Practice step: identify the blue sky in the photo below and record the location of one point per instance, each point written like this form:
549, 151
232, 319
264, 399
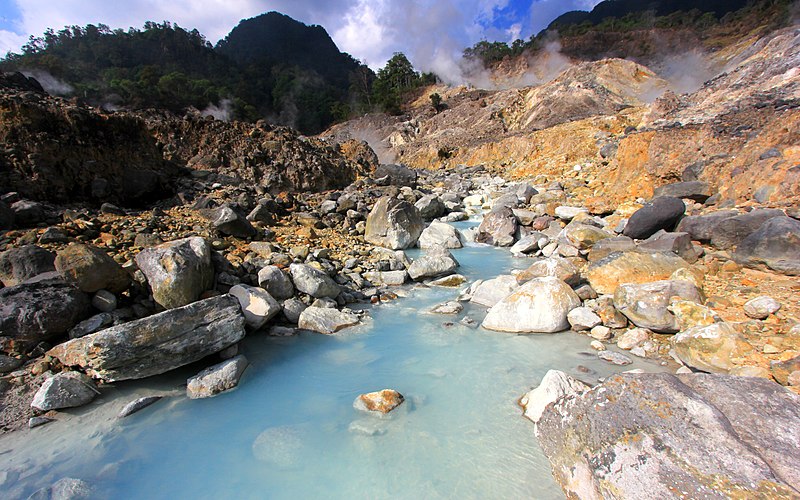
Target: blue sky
428, 31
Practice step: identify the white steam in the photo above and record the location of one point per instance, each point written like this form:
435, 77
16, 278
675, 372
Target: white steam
49, 83
222, 112
688, 71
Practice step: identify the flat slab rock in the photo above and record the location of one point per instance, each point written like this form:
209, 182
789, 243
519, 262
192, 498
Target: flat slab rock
217, 379
326, 320
157, 344
655, 436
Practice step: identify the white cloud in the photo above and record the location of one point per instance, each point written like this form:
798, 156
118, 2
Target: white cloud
11, 42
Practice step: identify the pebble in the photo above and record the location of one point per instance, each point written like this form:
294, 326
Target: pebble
597, 345
614, 358
600, 332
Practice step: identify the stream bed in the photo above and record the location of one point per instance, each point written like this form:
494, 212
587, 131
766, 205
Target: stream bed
289, 430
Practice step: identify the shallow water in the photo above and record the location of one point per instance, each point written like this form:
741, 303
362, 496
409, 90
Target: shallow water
289, 430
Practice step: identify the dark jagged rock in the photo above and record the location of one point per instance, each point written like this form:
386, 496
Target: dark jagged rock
394, 224
228, 221
178, 271
661, 213
395, 175
701, 227
21, 263
733, 230
91, 269
698, 191
498, 228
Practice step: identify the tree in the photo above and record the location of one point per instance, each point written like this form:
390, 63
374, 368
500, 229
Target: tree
393, 80
436, 101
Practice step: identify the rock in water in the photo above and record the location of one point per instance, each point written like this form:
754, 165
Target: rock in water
136, 405
436, 262
178, 271
646, 305
440, 234
554, 386
641, 435
776, 244
325, 320
379, 402
492, 291
555, 267
606, 274
711, 348
661, 213
314, 282
394, 224
91, 269
158, 343
25, 262
33, 312
539, 306
64, 489
257, 304
64, 390
498, 228
216, 379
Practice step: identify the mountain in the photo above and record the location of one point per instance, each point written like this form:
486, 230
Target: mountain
268, 67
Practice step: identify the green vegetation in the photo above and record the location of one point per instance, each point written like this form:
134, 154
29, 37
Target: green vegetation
395, 81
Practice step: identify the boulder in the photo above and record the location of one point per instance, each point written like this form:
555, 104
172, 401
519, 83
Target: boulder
314, 282
776, 245
701, 227
390, 278
689, 313
66, 488
394, 224
698, 191
262, 213
6, 217
395, 175
761, 307
490, 292
64, 390
678, 243
711, 348
569, 213
646, 304
527, 244
606, 247
731, 231
633, 338
498, 228
91, 269
27, 213
436, 262
606, 274
216, 379
178, 271
229, 222
439, 234
539, 306
449, 281
583, 318
649, 436
782, 370
430, 207
22, 263
157, 344
583, 236
381, 402
554, 385
661, 213
325, 320
38, 311
451, 307
275, 281
292, 308
258, 306
553, 266
614, 358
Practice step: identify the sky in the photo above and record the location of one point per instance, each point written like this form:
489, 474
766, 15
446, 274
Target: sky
430, 32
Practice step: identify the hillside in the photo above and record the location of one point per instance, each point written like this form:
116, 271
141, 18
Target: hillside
271, 66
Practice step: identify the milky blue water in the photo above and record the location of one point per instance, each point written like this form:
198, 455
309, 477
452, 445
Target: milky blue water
289, 430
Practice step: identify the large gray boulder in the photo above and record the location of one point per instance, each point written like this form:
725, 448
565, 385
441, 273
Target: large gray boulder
326, 320
157, 344
661, 213
178, 271
731, 231
275, 281
314, 282
216, 379
436, 262
25, 262
388, 174
91, 269
490, 292
555, 267
229, 222
539, 306
645, 304
711, 348
430, 207
606, 274
33, 312
554, 385
701, 227
439, 234
64, 390
648, 436
258, 306
776, 245
394, 224
66, 488
498, 228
